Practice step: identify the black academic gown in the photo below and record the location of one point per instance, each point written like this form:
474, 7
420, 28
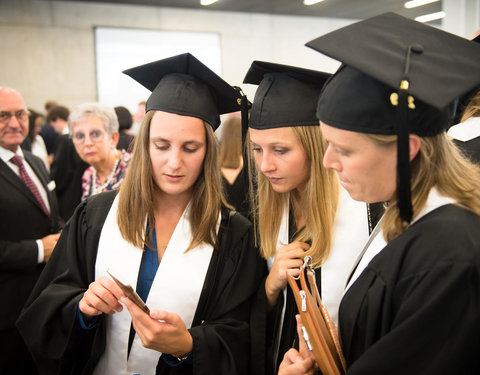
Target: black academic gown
237, 193
415, 309
470, 148
220, 329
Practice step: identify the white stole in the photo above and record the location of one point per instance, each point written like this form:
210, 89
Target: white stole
376, 244
176, 288
350, 232
434, 201
467, 130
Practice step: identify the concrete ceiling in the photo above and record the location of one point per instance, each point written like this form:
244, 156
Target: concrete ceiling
353, 9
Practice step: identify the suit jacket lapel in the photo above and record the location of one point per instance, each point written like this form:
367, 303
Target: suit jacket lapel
17, 182
45, 179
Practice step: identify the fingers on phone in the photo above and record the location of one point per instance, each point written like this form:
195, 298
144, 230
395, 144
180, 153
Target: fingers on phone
103, 298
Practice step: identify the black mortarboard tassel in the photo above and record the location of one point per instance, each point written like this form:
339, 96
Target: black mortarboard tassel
398, 77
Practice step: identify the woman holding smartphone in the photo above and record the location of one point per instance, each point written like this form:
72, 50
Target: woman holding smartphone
169, 235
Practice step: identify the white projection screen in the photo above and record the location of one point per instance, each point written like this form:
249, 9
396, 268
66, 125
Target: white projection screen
118, 49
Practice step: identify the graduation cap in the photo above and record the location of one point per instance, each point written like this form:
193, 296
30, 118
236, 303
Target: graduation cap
185, 86
286, 95
398, 77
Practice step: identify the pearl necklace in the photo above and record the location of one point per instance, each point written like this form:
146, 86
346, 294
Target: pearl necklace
99, 188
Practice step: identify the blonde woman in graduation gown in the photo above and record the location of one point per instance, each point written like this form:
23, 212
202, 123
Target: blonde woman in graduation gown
301, 208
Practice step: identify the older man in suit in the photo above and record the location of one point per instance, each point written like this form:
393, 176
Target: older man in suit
29, 226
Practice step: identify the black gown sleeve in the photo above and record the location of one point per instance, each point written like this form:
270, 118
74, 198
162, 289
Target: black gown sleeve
49, 322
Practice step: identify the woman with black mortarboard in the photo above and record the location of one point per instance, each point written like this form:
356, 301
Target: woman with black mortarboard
412, 306
300, 208
169, 235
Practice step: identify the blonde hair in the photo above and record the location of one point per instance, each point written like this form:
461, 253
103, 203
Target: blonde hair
231, 143
318, 203
137, 193
473, 108
438, 164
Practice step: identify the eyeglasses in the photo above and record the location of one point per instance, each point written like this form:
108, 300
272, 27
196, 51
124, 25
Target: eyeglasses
95, 136
21, 116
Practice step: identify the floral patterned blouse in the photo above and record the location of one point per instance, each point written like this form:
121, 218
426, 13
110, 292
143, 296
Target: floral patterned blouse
91, 185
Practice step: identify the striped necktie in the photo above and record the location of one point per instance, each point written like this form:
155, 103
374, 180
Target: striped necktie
17, 160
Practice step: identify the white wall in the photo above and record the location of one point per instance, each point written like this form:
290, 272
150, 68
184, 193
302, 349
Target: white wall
120, 48
48, 49
462, 17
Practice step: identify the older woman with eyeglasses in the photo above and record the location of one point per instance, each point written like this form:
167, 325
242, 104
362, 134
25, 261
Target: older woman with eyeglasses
94, 130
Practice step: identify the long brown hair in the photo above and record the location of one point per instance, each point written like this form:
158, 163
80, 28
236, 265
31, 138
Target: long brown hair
438, 164
318, 203
137, 193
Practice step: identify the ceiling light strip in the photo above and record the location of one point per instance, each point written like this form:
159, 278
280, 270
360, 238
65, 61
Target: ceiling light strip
207, 2
431, 17
311, 2
418, 3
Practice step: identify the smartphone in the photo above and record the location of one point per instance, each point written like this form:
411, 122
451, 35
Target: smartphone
131, 294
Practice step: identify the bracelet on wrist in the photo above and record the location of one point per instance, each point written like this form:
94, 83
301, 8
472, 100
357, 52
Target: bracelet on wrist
183, 358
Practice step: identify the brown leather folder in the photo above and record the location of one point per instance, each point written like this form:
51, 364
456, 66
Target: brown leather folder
322, 336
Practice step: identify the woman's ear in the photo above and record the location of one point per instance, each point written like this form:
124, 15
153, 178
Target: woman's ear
115, 138
415, 142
